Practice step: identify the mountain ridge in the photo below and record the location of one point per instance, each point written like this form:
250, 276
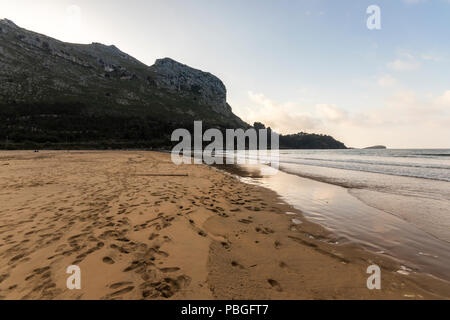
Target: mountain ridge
54, 93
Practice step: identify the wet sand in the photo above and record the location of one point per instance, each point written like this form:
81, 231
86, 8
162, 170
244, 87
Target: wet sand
140, 227
352, 220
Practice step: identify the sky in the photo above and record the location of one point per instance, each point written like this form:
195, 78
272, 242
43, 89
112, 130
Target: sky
295, 65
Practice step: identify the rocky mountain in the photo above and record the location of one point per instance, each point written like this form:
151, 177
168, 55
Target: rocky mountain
56, 92
64, 95
184, 80
54, 70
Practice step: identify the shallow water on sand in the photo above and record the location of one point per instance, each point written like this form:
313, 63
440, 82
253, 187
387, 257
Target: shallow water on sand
340, 210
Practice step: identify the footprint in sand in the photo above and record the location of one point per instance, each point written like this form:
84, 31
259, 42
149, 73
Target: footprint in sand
162, 253
274, 284
108, 260
170, 269
120, 284
165, 288
3, 277
277, 244
202, 233
237, 265
264, 230
226, 245
120, 292
153, 236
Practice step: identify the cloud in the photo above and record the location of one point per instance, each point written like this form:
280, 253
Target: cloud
403, 119
386, 80
404, 98
406, 108
444, 100
331, 113
431, 57
408, 63
283, 117
292, 117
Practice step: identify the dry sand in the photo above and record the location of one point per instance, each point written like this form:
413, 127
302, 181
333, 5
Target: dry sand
140, 227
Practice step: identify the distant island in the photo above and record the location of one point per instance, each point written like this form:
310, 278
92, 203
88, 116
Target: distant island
376, 147
58, 95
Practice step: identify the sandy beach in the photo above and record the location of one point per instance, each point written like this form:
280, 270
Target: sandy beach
140, 227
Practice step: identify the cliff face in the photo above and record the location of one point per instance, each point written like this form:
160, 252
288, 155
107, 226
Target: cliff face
177, 77
35, 68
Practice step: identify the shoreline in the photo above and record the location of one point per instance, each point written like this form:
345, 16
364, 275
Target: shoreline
351, 219
137, 235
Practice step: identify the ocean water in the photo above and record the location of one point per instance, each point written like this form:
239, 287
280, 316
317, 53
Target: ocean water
394, 202
431, 164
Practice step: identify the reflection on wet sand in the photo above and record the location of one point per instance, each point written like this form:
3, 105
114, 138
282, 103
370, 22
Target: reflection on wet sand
352, 220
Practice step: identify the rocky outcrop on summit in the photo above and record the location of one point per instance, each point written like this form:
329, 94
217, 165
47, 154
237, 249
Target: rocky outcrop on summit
7, 23
177, 77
